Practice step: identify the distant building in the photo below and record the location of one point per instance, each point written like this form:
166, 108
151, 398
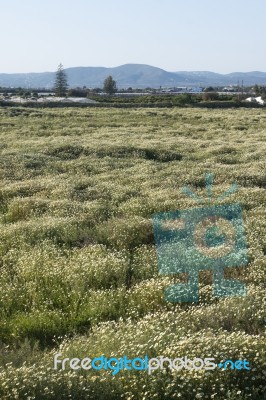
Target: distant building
229, 89
256, 100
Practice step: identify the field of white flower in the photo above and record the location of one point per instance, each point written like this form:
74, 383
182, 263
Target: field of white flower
78, 264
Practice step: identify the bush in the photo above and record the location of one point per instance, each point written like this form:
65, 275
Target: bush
210, 96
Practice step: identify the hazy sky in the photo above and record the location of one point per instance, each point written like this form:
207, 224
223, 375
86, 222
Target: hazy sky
202, 35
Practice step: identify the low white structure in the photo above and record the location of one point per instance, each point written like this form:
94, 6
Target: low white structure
67, 100
49, 99
256, 100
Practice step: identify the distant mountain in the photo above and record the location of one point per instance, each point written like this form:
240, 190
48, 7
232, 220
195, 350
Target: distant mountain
132, 75
207, 78
135, 75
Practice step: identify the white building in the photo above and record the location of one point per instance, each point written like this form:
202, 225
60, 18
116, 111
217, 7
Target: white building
256, 100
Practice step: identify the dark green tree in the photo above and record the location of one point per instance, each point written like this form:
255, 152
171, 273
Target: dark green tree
109, 85
259, 90
209, 89
185, 98
60, 86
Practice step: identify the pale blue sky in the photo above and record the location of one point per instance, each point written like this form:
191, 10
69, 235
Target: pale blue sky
204, 35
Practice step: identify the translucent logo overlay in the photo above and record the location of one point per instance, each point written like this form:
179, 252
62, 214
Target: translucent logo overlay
204, 238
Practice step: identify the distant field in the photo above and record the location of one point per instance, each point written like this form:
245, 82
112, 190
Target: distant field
78, 263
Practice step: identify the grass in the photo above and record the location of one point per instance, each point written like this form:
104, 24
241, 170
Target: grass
78, 263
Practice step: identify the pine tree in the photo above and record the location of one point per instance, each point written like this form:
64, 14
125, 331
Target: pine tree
60, 86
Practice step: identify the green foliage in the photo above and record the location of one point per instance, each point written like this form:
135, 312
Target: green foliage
60, 86
109, 85
78, 92
186, 98
78, 263
260, 90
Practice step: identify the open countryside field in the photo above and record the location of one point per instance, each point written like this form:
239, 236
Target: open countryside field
79, 273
